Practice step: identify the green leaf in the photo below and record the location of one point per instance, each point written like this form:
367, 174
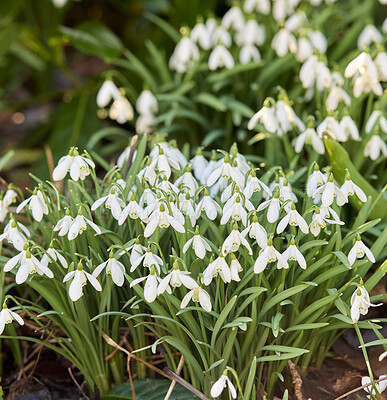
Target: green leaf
210, 100
343, 258
149, 389
302, 327
222, 317
94, 38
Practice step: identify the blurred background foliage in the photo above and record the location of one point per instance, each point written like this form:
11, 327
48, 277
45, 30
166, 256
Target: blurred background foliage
48, 85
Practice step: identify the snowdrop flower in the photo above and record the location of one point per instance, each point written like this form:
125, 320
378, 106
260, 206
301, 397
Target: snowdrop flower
151, 285
368, 36
7, 316
283, 8
251, 33
15, 233
200, 34
249, 53
198, 164
188, 181
333, 127
292, 253
28, 264
114, 268
236, 210
199, 245
315, 73
374, 147
260, 6
209, 206
233, 19
7, 200
220, 57
254, 185
226, 171
329, 191
53, 255
315, 179
79, 225
218, 266
349, 128
106, 93
124, 157
235, 268
327, 213
293, 218
176, 278
142, 254
267, 255
234, 240
147, 103
376, 389
375, 121
309, 136
37, 205
335, 96
380, 62
257, 232
187, 208
358, 250
285, 189
133, 210
121, 110
360, 303
320, 218
184, 56
78, 166
79, 279
266, 116
349, 189
198, 295
295, 21
112, 202
163, 219
59, 3
163, 163
283, 42
273, 205
146, 123
63, 225
220, 384
304, 49
171, 151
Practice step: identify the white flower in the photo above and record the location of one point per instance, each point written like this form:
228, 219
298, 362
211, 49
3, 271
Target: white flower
209, 206
16, 234
37, 205
315, 179
187, 208
114, 268
381, 61
146, 123
151, 285
250, 34
187, 181
7, 316
235, 209
350, 128
162, 219
249, 53
235, 268
329, 191
198, 164
199, 245
317, 223
112, 202
293, 253
309, 136
63, 225
7, 200
147, 103
79, 279
106, 93
198, 295
333, 127
375, 121
283, 42
261, 6
200, 34
336, 95
358, 250
234, 240
253, 185
368, 36
163, 163
360, 303
220, 384
220, 57
376, 389
185, 54
274, 207
374, 147
29, 264
293, 218
233, 19
77, 165
53, 255
176, 278
78, 225
267, 255
121, 110
133, 210
218, 266
257, 232
349, 189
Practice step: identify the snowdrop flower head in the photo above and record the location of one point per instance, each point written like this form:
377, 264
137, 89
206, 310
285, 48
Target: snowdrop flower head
53, 255
121, 110
309, 136
292, 218
256, 231
220, 384
234, 240
147, 103
335, 96
198, 295
233, 18
176, 278
235, 268
284, 42
79, 279
375, 121
329, 191
199, 245
220, 57
15, 233
292, 253
63, 225
350, 128
112, 202
368, 36
376, 389
185, 54
215, 267
79, 225
106, 93
163, 219
267, 255
201, 35
349, 188
360, 303
273, 205
114, 268
36, 204
315, 179
260, 6
359, 250
77, 165
7, 316
317, 223
209, 206
375, 147
380, 62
